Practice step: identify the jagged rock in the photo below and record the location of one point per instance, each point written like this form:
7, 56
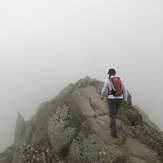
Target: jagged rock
59, 131
93, 149
7, 155
19, 129
74, 128
130, 116
26, 153
134, 148
146, 118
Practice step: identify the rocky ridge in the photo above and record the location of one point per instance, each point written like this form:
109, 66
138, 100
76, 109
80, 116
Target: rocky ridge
74, 128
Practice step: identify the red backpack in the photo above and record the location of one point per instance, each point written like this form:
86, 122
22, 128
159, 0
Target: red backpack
117, 85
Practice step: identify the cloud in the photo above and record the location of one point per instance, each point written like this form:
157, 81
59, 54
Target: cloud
45, 45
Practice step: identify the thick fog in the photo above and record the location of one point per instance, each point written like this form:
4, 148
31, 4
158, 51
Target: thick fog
46, 45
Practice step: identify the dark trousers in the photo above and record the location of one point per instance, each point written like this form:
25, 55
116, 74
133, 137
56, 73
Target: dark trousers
113, 105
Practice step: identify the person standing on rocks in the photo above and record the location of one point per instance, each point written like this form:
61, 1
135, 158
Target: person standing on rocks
115, 99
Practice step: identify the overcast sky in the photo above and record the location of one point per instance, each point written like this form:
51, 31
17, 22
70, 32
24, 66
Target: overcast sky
47, 44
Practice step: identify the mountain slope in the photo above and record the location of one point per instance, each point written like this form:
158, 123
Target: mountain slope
74, 128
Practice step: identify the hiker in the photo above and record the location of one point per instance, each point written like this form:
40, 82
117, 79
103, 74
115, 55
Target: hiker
117, 95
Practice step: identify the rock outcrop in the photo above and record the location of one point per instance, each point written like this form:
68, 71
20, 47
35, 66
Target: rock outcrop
74, 128
146, 118
19, 129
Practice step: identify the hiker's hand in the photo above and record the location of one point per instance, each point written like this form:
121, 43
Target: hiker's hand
125, 102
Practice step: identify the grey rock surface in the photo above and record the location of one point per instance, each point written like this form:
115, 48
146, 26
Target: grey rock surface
74, 128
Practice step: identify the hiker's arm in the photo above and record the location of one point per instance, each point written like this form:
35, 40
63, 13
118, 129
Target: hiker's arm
104, 89
125, 94
124, 91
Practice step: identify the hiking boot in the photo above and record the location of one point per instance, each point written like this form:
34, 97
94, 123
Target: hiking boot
115, 135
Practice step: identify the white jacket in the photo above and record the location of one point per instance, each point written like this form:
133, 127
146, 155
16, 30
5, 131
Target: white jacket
109, 86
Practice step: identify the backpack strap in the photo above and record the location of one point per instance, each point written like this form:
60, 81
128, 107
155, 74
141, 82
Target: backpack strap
110, 92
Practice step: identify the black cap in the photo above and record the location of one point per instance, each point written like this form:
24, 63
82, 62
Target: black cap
111, 71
